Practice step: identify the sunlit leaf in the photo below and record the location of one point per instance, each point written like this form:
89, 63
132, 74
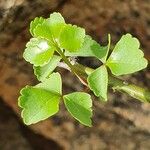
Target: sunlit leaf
34, 23
44, 71
57, 23
41, 101
126, 57
72, 38
79, 105
98, 82
91, 48
38, 52
51, 28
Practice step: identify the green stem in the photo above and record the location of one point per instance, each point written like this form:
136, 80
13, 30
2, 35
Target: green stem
73, 68
131, 89
65, 59
82, 73
119, 85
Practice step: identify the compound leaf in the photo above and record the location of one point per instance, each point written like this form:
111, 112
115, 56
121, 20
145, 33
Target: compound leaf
43, 72
38, 52
79, 105
71, 38
40, 102
126, 57
98, 82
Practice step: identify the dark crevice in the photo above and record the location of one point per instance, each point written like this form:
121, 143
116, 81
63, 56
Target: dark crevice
37, 141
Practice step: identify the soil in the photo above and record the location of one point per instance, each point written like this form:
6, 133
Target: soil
121, 124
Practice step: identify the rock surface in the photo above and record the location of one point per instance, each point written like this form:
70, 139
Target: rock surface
121, 124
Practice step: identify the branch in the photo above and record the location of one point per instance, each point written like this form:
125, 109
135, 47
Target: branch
117, 84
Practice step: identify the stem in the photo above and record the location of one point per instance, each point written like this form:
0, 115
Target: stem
117, 84
131, 89
65, 59
73, 68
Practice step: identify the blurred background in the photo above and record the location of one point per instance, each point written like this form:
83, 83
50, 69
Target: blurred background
122, 123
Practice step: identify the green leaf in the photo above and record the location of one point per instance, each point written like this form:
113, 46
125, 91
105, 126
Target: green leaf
53, 84
38, 52
41, 101
38, 104
43, 31
126, 57
98, 82
34, 23
57, 23
43, 72
90, 48
79, 105
50, 28
72, 38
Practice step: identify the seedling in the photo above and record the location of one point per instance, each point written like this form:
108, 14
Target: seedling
52, 44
